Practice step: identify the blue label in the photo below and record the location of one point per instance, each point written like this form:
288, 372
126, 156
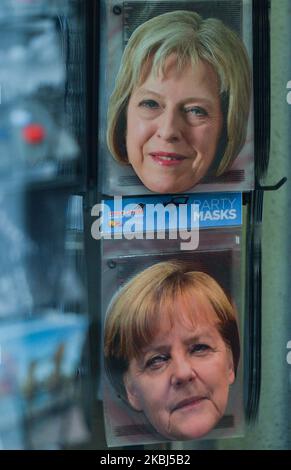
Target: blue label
154, 213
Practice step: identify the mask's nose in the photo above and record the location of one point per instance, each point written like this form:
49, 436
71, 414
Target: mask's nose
183, 372
170, 125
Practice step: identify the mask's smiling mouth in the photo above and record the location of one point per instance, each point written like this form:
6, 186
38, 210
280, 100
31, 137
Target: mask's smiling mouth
167, 158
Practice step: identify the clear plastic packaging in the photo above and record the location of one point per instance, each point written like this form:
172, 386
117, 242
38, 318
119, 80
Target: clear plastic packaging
117, 176
38, 370
28, 8
38, 266
132, 287
29, 49
34, 144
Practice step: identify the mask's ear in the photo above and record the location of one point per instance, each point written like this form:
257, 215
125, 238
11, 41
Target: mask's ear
132, 394
231, 376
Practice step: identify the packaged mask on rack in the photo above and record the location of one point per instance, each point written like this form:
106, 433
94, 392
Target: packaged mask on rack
172, 329
39, 391
175, 97
29, 49
28, 9
35, 144
15, 246
33, 148
39, 263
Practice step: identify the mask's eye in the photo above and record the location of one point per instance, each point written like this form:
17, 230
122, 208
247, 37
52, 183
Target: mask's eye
149, 104
156, 362
200, 348
195, 111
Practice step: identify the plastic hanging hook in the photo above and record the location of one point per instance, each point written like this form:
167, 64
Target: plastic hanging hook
273, 187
